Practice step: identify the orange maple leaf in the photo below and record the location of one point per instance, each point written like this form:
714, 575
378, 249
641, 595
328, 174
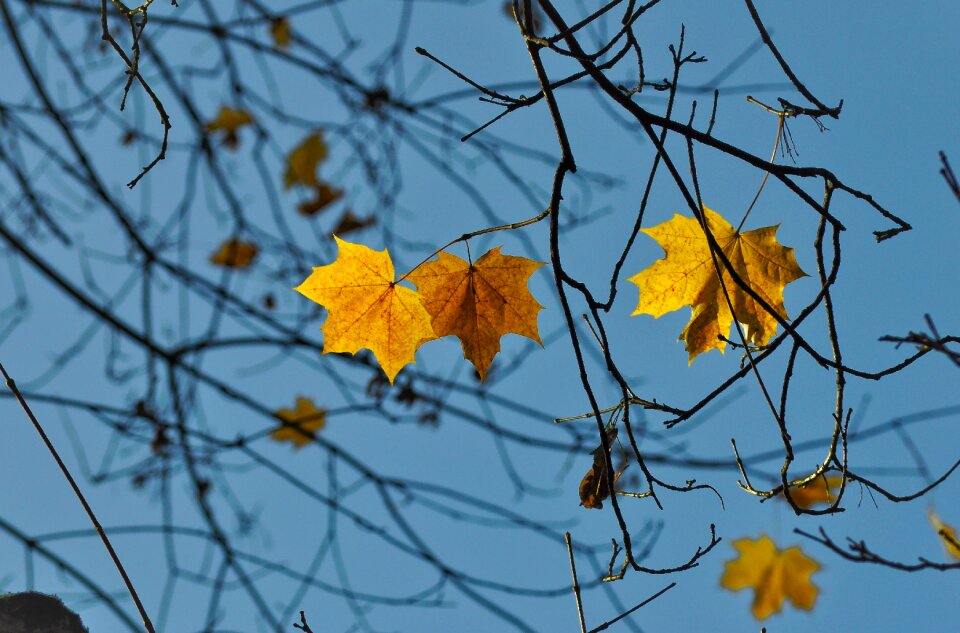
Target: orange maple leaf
773, 574
480, 302
302, 423
687, 276
303, 161
947, 534
820, 490
229, 121
235, 253
367, 309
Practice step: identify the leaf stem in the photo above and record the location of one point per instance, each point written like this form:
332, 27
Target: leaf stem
466, 236
781, 117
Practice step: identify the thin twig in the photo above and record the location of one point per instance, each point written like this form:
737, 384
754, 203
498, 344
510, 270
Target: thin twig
12, 385
467, 236
607, 624
576, 583
947, 172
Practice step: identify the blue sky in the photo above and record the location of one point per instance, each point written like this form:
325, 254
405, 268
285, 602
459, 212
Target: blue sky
891, 67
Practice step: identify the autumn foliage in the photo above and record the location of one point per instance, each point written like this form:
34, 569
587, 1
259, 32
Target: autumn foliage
367, 308
688, 275
318, 194
774, 575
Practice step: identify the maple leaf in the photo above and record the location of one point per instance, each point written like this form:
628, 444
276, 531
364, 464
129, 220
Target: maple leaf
947, 534
367, 308
324, 196
820, 490
686, 276
773, 574
235, 253
480, 302
302, 162
302, 423
350, 223
229, 121
280, 31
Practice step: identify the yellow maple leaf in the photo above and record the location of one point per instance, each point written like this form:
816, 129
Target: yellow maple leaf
947, 534
480, 302
280, 31
235, 253
820, 490
773, 574
686, 276
367, 309
303, 161
302, 422
229, 121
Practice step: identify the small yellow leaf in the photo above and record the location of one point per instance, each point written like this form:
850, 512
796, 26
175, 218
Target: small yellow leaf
367, 309
280, 31
480, 302
302, 423
229, 121
234, 253
947, 534
303, 161
687, 276
820, 490
324, 196
350, 223
773, 574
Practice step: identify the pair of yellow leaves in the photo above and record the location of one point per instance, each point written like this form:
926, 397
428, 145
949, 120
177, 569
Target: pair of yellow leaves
687, 276
477, 302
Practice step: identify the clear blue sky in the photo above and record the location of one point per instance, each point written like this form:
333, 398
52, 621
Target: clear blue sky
895, 69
